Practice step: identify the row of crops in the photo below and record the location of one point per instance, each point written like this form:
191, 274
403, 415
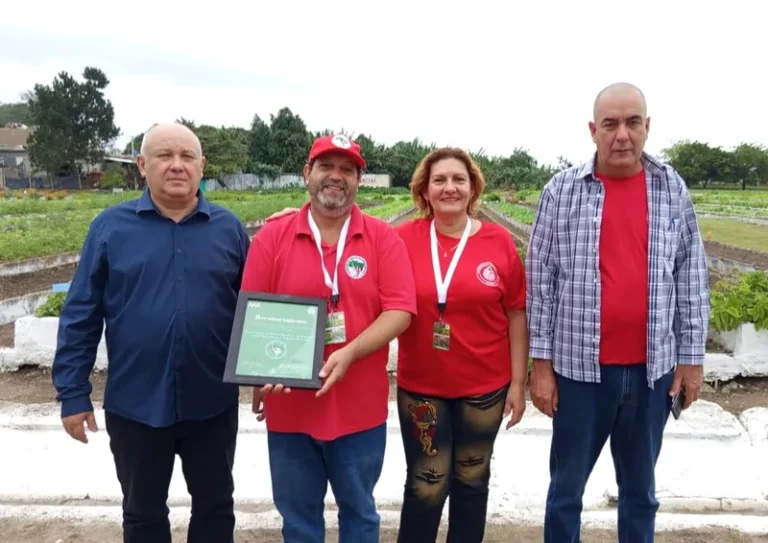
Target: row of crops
34, 224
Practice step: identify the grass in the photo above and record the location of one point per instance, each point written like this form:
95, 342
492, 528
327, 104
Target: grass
736, 233
34, 227
390, 207
520, 213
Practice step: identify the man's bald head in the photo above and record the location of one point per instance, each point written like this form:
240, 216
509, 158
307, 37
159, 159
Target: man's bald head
165, 131
617, 89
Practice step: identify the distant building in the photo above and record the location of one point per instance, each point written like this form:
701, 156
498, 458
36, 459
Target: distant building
14, 159
382, 180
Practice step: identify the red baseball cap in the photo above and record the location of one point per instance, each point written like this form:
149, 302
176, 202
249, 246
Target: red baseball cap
338, 143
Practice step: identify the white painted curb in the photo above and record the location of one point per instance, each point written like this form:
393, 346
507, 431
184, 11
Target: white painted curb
699, 470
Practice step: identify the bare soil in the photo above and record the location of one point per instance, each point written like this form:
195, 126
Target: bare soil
757, 259
26, 283
33, 385
6, 335
55, 531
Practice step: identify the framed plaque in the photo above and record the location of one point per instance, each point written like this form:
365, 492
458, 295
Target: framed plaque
277, 339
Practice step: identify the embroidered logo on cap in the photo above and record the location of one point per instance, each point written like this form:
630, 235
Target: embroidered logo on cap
341, 141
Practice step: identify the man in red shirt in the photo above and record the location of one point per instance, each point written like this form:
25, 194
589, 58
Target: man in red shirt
336, 434
618, 309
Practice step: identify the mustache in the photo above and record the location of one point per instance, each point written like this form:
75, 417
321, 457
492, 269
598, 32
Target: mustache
340, 185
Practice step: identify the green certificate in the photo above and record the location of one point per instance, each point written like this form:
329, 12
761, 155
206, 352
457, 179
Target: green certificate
277, 339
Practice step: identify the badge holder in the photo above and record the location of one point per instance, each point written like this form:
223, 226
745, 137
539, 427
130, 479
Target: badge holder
336, 330
441, 332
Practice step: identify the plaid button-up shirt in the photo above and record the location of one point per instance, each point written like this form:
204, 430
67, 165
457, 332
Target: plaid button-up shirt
563, 270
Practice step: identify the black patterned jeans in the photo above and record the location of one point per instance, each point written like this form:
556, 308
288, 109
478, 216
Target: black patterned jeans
448, 446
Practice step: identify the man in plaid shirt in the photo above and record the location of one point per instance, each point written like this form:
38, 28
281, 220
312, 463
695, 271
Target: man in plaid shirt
618, 308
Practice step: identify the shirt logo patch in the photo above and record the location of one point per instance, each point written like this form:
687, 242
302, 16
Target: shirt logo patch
341, 141
487, 274
356, 267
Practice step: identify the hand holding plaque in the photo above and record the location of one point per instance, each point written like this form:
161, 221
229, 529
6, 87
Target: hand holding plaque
277, 342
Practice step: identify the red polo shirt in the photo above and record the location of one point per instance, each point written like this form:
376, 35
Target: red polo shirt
489, 280
283, 259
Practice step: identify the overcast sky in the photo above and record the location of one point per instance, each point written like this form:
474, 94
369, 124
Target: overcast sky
476, 74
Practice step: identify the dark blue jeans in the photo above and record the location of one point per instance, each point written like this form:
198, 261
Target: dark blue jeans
301, 468
625, 409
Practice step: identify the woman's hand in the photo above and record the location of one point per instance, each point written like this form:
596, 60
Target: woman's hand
515, 403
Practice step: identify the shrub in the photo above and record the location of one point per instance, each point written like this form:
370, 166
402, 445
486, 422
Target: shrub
739, 299
492, 197
52, 306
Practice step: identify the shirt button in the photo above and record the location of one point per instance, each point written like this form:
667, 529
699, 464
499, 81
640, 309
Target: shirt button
181, 309
181, 277
178, 251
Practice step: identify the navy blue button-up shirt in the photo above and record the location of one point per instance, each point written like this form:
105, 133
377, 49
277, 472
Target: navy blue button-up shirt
167, 294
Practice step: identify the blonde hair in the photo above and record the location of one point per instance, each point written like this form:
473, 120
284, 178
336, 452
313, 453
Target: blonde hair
420, 179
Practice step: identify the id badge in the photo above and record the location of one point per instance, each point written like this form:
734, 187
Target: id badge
335, 330
441, 336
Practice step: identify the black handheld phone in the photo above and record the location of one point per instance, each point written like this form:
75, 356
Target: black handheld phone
677, 403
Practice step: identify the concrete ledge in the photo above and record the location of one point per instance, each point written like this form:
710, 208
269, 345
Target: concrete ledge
31, 265
35, 345
12, 309
720, 472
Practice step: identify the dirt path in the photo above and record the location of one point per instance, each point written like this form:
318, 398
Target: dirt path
54, 531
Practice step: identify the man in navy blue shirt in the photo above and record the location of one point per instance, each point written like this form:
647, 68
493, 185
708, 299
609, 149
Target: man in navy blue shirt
162, 273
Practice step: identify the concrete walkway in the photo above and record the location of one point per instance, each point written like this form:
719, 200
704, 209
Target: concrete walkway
711, 461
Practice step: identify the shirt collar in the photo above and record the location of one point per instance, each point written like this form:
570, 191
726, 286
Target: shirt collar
587, 170
355, 223
145, 203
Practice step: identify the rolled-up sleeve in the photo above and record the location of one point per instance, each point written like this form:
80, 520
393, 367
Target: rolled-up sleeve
692, 284
541, 274
80, 326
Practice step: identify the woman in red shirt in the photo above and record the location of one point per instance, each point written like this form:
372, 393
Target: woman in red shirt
462, 363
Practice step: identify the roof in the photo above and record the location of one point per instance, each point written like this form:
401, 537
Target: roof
122, 159
13, 138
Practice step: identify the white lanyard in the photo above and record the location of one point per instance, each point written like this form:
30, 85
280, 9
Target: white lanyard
331, 284
442, 285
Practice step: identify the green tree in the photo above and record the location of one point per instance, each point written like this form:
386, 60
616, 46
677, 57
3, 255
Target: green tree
289, 142
14, 112
259, 139
114, 177
698, 162
74, 122
749, 164
225, 150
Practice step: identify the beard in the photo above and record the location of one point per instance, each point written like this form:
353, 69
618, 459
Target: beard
333, 201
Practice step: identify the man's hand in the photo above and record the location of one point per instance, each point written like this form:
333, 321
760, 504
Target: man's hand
258, 404
690, 378
274, 389
544, 387
283, 213
515, 403
73, 424
334, 369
